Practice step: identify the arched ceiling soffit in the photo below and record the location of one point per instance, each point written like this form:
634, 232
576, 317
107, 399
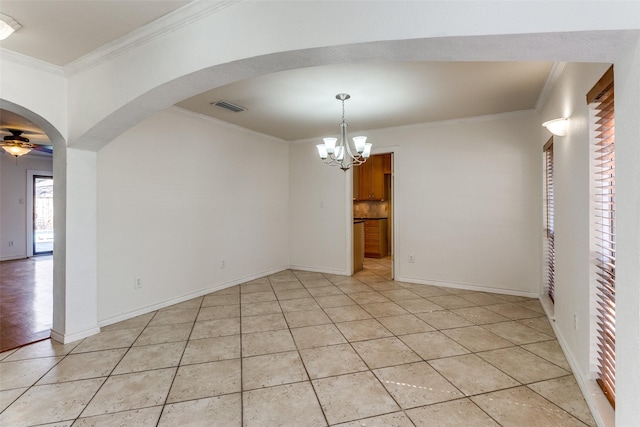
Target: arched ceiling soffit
37, 129
571, 47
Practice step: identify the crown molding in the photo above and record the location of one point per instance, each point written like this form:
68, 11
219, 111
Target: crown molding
439, 123
28, 61
188, 14
552, 78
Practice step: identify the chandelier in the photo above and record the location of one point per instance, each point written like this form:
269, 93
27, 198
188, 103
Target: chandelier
342, 154
16, 144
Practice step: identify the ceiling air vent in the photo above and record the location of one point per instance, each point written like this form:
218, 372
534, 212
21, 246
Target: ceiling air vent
229, 106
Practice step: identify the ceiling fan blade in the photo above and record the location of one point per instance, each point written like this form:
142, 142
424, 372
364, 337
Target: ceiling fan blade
43, 148
14, 131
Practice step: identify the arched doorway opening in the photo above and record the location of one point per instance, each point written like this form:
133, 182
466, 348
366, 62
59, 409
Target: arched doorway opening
53, 269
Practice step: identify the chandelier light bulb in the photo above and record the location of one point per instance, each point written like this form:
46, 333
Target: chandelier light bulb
330, 144
322, 151
359, 142
367, 150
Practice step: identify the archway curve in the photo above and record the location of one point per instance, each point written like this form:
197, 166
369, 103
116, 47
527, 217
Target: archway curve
197, 77
512, 47
59, 207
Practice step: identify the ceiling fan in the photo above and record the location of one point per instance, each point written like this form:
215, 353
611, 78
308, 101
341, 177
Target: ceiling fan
18, 145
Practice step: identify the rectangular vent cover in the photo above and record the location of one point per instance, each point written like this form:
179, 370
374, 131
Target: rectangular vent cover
229, 106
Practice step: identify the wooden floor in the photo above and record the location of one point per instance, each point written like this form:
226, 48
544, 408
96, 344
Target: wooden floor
26, 301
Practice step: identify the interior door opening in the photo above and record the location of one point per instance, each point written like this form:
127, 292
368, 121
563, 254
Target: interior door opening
373, 203
43, 233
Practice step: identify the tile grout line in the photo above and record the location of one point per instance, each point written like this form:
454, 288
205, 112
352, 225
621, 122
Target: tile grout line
334, 324
106, 378
175, 375
304, 365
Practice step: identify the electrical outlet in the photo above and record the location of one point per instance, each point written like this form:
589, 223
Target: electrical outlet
575, 321
222, 264
10, 243
411, 259
137, 283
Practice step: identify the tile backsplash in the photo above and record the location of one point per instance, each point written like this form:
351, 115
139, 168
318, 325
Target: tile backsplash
371, 209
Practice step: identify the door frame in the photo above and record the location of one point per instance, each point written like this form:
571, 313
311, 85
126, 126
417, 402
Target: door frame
30, 175
394, 217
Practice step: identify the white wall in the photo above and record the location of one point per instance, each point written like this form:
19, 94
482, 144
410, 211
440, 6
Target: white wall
319, 203
36, 86
14, 199
627, 87
467, 204
177, 195
573, 180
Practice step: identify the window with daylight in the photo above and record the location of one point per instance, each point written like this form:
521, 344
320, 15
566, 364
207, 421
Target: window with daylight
548, 183
600, 100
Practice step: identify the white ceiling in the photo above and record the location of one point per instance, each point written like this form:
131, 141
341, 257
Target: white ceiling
301, 103
294, 104
61, 31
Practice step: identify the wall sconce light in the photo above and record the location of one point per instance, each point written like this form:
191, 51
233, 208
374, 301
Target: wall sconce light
558, 127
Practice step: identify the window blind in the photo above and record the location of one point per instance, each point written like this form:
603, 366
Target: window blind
549, 227
601, 100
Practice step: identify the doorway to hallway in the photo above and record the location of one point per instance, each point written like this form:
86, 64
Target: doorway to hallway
43, 235
39, 213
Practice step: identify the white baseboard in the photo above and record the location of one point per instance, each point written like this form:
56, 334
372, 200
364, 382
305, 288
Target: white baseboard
600, 408
469, 287
319, 270
12, 257
549, 308
182, 298
67, 338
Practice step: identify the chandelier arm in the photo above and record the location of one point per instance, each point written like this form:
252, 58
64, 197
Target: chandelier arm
333, 163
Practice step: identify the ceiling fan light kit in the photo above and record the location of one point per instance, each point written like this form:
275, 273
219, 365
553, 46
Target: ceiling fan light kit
16, 144
343, 154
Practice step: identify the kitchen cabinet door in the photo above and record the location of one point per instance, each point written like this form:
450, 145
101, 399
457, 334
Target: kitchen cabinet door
377, 178
387, 164
364, 181
370, 179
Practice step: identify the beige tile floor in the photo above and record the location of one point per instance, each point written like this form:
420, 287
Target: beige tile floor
306, 349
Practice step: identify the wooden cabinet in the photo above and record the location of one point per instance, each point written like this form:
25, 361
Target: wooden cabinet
358, 246
387, 164
375, 238
369, 179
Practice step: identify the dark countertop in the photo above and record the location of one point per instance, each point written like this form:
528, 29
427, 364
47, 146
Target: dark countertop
364, 219
358, 220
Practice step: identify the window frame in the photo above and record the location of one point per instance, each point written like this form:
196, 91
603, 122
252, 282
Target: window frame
549, 218
601, 102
